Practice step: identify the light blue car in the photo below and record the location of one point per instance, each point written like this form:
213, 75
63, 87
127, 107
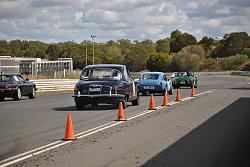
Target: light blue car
154, 82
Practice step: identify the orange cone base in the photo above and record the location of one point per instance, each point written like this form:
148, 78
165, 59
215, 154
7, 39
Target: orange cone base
68, 139
121, 120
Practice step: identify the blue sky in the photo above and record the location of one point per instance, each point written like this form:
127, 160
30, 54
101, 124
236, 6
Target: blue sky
64, 20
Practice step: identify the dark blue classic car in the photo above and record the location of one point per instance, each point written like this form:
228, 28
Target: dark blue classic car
13, 85
105, 83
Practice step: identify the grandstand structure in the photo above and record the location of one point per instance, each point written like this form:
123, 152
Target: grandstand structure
34, 66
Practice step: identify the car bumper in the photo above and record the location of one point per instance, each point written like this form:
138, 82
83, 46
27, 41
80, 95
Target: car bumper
99, 98
8, 92
156, 89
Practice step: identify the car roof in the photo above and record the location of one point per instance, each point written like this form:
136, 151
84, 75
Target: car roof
105, 65
152, 73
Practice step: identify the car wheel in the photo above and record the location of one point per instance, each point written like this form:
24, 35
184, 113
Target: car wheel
163, 93
170, 92
124, 102
33, 94
1, 98
79, 105
137, 101
18, 94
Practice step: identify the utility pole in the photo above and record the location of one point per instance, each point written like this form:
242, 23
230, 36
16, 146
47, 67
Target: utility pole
93, 36
86, 61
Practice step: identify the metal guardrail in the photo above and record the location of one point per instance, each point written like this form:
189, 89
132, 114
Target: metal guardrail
45, 85
241, 73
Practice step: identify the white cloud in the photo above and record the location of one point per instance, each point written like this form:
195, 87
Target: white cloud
62, 20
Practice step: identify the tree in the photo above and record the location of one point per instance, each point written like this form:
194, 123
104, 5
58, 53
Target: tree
53, 51
157, 62
234, 43
179, 41
163, 45
207, 41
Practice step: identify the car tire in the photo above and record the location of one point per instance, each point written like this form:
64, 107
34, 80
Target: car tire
33, 94
1, 98
124, 102
170, 92
79, 105
18, 94
137, 101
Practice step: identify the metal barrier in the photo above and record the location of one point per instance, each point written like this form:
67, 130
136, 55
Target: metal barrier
45, 85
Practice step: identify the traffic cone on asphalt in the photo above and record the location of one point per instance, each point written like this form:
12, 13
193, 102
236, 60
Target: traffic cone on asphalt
152, 103
121, 114
69, 133
178, 95
165, 99
193, 92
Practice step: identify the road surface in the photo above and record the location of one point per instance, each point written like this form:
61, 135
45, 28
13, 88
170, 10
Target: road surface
209, 130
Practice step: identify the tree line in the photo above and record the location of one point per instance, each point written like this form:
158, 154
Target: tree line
178, 52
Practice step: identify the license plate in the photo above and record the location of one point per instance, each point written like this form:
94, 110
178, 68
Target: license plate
94, 89
149, 87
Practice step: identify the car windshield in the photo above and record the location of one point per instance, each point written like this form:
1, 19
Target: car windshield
150, 76
101, 73
5, 78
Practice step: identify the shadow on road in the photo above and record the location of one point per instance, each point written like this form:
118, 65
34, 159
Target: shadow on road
99, 107
242, 88
223, 141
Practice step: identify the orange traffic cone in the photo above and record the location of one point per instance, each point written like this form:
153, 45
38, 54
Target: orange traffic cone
178, 95
165, 99
69, 133
152, 103
193, 92
121, 115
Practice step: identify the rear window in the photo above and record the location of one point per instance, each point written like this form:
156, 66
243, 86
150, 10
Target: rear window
150, 76
101, 73
5, 78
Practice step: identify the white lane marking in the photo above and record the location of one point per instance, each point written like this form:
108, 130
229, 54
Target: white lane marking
56, 144
28, 152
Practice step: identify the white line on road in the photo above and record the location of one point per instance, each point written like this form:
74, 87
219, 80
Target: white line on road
31, 153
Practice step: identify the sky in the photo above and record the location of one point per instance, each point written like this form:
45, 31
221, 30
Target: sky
77, 20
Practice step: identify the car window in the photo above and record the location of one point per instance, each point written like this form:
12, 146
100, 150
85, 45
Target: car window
101, 73
16, 78
150, 76
20, 78
126, 75
5, 78
165, 77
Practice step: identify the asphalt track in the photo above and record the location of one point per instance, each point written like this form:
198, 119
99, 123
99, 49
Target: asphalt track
210, 130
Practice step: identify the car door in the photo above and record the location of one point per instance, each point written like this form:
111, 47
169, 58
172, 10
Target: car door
166, 83
130, 85
25, 86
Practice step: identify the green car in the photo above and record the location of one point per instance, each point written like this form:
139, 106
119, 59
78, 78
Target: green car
187, 79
